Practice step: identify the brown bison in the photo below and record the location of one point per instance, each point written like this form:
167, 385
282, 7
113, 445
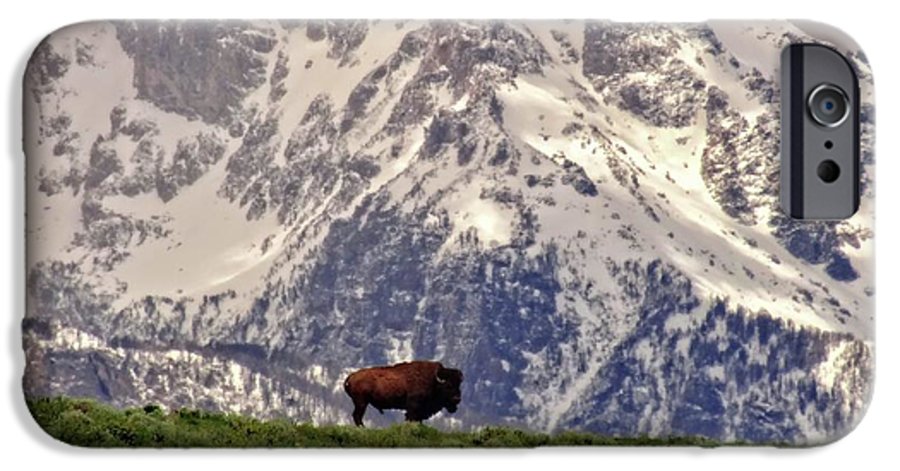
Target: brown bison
422, 388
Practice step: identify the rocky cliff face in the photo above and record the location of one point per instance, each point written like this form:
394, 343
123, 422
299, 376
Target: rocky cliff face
582, 217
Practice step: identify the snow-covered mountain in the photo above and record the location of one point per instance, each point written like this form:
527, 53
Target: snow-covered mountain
583, 217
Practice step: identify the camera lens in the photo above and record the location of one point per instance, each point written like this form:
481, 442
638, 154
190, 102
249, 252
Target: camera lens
828, 105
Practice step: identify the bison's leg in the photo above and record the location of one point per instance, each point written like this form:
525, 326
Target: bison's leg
359, 410
413, 415
414, 412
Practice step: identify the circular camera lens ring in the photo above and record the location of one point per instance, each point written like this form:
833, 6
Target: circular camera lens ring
811, 105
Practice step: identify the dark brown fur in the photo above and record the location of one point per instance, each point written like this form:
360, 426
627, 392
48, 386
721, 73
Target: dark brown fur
421, 388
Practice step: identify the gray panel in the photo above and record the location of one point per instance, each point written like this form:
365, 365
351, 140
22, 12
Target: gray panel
820, 200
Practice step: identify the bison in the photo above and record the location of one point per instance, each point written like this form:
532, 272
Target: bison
422, 388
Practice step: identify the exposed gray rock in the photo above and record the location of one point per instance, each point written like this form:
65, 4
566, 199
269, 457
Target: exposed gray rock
194, 69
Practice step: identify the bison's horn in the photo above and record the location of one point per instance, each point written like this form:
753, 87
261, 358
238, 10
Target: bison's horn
437, 377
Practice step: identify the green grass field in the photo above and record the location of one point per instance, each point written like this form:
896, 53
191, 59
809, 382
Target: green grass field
88, 423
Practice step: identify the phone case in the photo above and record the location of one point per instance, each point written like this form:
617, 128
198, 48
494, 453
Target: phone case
573, 227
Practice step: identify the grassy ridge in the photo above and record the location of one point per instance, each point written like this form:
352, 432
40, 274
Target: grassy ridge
88, 423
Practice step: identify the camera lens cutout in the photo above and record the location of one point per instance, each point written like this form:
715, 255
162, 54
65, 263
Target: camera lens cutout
828, 171
828, 105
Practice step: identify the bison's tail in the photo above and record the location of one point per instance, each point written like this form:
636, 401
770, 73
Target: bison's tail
347, 385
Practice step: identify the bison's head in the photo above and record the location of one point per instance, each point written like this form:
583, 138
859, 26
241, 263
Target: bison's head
448, 381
